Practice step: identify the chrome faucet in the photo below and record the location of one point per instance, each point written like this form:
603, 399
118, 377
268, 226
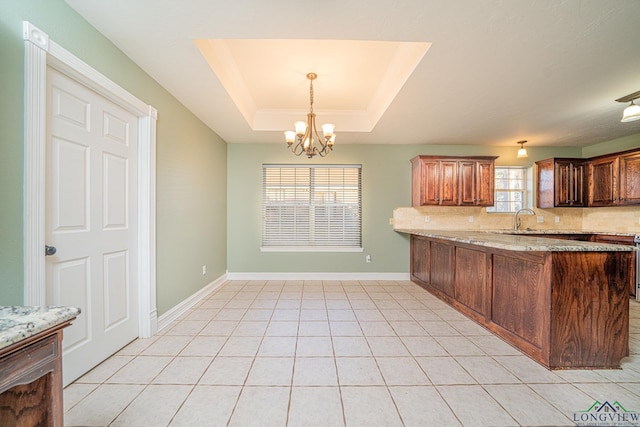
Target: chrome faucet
516, 220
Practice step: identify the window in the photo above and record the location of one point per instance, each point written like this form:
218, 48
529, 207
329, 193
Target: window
314, 208
510, 189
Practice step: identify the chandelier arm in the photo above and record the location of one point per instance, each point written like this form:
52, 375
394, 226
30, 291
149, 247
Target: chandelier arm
294, 149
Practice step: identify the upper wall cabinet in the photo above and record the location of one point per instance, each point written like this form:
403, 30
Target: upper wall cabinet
609, 180
562, 183
614, 179
452, 181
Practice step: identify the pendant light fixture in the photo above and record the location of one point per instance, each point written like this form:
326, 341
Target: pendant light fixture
522, 152
632, 112
306, 134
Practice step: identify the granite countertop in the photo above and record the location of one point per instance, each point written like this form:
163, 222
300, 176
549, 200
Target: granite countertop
18, 322
503, 239
534, 231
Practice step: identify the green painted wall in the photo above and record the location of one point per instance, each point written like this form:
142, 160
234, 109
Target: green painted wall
191, 159
208, 192
386, 184
615, 145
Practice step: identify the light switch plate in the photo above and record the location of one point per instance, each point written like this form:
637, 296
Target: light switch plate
540, 219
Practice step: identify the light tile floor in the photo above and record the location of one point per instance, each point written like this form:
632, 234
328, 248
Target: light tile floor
336, 353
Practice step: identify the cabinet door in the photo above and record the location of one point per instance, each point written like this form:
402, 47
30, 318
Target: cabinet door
442, 267
546, 188
578, 184
430, 182
562, 184
449, 183
569, 183
603, 175
485, 182
630, 179
420, 258
467, 182
471, 280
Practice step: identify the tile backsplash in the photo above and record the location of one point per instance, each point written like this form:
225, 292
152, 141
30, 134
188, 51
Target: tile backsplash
619, 219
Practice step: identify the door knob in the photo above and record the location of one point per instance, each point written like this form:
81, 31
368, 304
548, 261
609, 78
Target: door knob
49, 250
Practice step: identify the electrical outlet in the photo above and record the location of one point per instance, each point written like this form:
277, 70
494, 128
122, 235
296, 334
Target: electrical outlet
368, 258
540, 219
391, 221
427, 219
204, 270
470, 218
557, 220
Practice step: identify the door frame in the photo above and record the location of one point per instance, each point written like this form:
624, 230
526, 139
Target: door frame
41, 52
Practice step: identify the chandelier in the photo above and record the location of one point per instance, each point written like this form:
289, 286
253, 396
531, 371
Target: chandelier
306, 134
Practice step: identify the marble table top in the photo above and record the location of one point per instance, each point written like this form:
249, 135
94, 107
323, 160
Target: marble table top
19, 322
517, 242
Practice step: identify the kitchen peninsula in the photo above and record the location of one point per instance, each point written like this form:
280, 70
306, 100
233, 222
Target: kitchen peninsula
31, 364
564, 303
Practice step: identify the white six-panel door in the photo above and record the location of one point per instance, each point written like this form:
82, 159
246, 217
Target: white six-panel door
91, 217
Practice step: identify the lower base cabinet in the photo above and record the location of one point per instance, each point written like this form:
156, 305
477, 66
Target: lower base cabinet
566, 310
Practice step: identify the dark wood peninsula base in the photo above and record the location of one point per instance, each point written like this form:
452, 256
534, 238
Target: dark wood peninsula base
564, 309
31, 364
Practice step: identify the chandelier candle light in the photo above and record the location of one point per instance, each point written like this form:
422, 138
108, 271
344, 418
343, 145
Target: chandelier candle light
304, 132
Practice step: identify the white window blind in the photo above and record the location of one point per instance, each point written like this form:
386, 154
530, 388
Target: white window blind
314, 207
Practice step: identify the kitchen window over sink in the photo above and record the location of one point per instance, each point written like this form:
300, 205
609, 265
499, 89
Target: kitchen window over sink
512, 189
311, 208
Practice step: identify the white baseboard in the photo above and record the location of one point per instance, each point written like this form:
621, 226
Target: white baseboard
178, 310
317, 276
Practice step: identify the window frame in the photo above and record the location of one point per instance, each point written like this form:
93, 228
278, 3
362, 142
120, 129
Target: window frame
526, 190
313, 204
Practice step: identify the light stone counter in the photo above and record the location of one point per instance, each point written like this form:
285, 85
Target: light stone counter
509, 240
549, 231
18, 322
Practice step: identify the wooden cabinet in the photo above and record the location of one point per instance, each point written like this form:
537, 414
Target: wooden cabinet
442, 266
471, 288
436, 182
614, 180
420, 259
603, 181
564, 309
31, 380
630, 179
561, 183
476, 182
432, 263
452, 181
619, 240
609, 180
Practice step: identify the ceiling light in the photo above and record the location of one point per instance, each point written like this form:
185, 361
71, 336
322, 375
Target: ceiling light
632, 112
522, 152
304, 132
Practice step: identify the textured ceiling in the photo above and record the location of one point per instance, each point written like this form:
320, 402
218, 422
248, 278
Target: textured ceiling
494, 71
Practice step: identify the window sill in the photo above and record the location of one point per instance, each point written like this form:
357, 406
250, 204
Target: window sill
309, 249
